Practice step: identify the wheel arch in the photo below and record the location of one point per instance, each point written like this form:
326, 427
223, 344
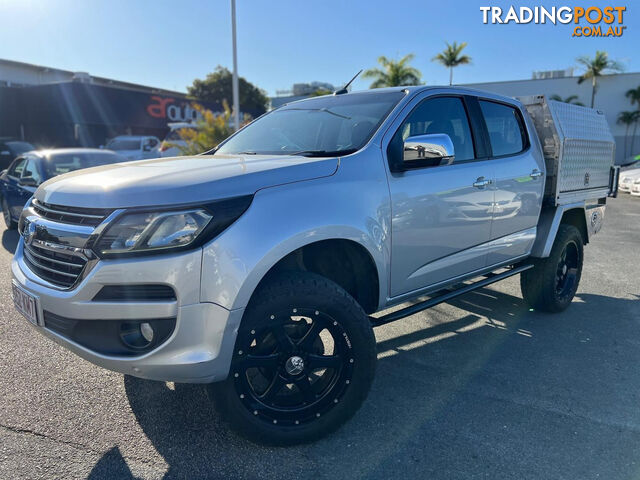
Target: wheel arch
550, 220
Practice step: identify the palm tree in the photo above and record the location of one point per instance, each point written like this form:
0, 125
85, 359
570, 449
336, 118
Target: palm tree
634, 96
570, 99
627, 119
451, 57
595, 67
393, 73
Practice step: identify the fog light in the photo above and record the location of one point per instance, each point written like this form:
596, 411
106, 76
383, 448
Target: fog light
137, 335
147, 331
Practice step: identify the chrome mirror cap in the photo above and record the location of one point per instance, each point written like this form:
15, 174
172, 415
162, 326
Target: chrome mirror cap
428, 151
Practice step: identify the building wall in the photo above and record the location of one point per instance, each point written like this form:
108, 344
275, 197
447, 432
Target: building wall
610, 98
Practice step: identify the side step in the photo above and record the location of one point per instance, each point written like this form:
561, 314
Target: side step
444, 297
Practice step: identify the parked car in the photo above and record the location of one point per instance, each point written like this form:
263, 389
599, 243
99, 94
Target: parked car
264, 265
135, 147
171, 143
29, 170
635, 187
10, 149
627, 177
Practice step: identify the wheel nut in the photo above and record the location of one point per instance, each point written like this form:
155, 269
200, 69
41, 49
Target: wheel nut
275, 421
347, 382
297, 422
239, 352
253, 332
236, 375
351, 360
255, 412
272, 317
242, 395
335, 323
317, 414
317, 312
335, 400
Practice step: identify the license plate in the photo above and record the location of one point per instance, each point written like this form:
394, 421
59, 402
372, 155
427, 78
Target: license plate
25, 303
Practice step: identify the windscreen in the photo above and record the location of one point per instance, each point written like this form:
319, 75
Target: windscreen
331, 125
68, 162
124, 144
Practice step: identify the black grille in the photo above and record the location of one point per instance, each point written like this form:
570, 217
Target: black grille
61, 269
135, 293
72, 215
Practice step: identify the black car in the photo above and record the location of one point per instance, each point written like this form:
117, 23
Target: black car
10, 149
30, 169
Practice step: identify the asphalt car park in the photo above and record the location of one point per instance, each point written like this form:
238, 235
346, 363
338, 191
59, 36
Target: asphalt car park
481, 387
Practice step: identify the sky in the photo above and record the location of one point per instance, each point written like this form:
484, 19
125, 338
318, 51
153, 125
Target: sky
167, 44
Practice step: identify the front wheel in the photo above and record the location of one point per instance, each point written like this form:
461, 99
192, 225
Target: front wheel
6, 213
303, 363
552, 283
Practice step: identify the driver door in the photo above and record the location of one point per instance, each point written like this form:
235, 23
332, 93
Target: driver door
441, 215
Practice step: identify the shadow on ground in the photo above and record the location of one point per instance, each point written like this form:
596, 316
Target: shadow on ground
10, 240
501, 392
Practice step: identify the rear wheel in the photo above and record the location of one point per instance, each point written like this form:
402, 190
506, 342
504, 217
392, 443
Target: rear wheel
551, 285
303, 364
11, 225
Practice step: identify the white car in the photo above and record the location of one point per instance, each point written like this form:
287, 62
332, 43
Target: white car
171, 143
135, 147
627, 177
635, 187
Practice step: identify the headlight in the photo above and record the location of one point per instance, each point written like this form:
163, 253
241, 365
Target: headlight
146, 232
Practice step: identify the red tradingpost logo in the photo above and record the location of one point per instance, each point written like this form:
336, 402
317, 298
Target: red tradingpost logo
600, 22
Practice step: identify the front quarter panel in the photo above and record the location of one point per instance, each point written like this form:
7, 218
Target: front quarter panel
352, 204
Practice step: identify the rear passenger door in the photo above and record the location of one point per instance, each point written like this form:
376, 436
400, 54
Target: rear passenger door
518, 184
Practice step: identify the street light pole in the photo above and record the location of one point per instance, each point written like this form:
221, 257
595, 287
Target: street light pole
236, 94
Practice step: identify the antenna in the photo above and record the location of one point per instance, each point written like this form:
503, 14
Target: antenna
343, 90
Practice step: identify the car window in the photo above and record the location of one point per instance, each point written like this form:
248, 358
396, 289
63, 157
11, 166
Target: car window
17, 167
328, 125
31, 170
506, 132
152, 142
442, 115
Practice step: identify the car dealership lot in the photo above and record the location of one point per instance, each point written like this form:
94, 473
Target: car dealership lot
479, 388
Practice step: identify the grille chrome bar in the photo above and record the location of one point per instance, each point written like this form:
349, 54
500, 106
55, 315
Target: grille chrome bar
33, 253
48, 269
40, 206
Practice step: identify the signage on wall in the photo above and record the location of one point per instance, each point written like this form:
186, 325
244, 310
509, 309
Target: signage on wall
168, 108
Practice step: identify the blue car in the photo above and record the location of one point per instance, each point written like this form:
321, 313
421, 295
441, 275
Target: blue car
20, 180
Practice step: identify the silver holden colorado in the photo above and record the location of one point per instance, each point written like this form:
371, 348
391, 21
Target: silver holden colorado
261, 267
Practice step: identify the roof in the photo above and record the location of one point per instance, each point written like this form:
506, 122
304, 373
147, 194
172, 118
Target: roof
59, 151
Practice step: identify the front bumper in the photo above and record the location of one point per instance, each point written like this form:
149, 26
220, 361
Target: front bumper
198, 350
625, 186
635, 189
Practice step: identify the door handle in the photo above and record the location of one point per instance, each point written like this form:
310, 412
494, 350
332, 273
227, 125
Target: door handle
535, 173
481, 182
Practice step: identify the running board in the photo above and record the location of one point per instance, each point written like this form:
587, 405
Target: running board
444, 297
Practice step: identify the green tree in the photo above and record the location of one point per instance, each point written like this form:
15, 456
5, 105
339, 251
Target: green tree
394, 73
627, 119
572, 99
320, 92
217, 87
595, 67
210, 130
634, 97
451, 57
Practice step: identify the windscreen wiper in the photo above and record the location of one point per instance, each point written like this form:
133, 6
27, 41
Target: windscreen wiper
323, 153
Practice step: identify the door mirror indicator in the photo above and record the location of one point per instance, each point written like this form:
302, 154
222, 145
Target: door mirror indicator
430, 150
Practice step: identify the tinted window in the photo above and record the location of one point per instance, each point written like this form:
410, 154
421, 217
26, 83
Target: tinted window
322, 125
505, 128
31, 170
68, 162
16, 169
442, 115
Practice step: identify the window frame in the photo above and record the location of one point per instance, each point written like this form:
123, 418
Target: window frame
526, 141
37, 164
12, 167
481, 153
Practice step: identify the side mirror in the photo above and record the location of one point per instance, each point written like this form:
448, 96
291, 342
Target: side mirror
427, 151
28, 182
